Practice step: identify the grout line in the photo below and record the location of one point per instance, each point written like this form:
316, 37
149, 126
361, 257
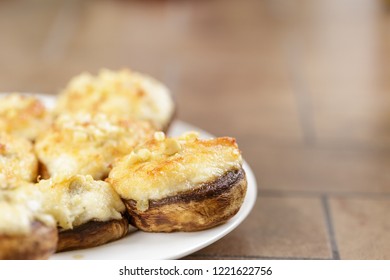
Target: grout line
323, 146
329, 225
178, 21
61, 32
301, 92
270, 193
255, 257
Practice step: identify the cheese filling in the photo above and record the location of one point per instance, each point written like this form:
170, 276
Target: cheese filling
167, 166
87, 145
19, 208
23, 116
125, 94
79, 199
18, 162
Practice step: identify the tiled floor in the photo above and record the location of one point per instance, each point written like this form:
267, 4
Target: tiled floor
362, 227
295, 229
302, 85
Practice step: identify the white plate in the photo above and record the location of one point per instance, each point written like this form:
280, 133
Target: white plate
139, 245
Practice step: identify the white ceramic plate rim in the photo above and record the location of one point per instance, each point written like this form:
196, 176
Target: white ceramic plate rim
140, 245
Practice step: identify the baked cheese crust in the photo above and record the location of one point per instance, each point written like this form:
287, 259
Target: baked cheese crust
167, 166
18, 162
23, 116
76, 200
88, 145
123, 94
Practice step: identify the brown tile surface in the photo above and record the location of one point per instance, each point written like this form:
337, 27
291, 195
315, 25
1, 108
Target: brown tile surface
327, 170
362, 227
278, 121
23, 30
339, 58
279, 227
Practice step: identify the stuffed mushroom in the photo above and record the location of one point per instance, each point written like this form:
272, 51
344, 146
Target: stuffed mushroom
181, 184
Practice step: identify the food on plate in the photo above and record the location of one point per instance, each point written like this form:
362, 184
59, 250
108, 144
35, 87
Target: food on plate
23, 116
18, 162
25, 231
123, 94
76, 177
87, 144
181, 184
88, 212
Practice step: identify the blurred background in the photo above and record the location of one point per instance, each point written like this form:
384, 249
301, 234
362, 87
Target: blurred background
303, 86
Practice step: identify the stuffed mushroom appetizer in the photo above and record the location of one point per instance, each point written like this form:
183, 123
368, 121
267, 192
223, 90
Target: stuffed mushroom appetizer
123, 94
88, 212
181, 184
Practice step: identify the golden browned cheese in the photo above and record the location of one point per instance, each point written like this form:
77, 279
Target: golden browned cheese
88, 145
123, 94
23, 116
165, 167
74, 201
18, 162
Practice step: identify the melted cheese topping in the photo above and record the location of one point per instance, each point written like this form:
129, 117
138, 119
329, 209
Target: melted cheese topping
19, 208
79, 199
88, 145
124, 94
167, 166
23, 116
18, 162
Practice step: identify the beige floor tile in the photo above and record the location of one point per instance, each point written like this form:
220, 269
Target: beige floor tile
361, 227
277, 227
272, 118
341, 56
24, 28
252, 100
295, 168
